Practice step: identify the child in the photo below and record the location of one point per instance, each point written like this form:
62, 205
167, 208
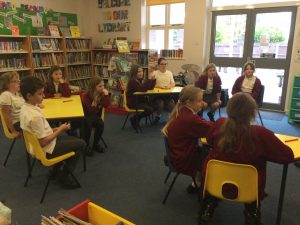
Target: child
56, 86
247, 83
93, 101
236, 140
33, 120
164, 79
210, 82
11, 101
135, 84
184, 129
5, 214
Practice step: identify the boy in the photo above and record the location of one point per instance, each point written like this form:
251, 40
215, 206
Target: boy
33, 120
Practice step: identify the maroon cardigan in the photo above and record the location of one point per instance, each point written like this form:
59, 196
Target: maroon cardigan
87, 104
267, 148
63, 88
135, 85
202, 83
183, 134
238, 85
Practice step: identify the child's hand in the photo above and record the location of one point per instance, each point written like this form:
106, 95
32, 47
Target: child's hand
16, 134
57, 95
61, 80
65, 126
105, 92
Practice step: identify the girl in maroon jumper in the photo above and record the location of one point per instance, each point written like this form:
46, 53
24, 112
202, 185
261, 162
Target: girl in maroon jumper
184, 129
56, 86
210, 82
93, 101
135, 84
235, 140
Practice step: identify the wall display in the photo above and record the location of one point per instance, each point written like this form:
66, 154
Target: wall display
112, 3
31, 19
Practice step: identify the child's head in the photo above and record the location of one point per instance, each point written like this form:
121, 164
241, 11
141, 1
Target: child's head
32, 89
55, 74
10, 82
210, 70
249, 69
136, 72
189, 96
162, 64
5, 214
96, 86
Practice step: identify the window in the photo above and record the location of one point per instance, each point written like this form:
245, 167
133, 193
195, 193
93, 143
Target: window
165, 26
217, 3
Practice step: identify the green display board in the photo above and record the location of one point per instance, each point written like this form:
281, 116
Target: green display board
31, 22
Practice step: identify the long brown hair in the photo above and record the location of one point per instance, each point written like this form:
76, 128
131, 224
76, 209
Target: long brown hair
94, 81
187, 93
5, 80
205, 71
134, 71
241, 109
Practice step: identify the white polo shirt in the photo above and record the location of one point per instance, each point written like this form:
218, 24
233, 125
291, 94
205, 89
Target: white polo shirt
33, 120
248, 84
163, 79
14, 102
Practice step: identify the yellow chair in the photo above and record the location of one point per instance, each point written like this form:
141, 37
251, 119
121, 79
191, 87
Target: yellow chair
36, 151
129, 110
8, 135
243, 177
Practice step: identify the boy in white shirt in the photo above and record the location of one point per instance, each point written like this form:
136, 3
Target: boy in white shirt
33, 120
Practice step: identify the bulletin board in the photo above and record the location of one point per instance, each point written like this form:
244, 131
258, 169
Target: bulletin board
33, 22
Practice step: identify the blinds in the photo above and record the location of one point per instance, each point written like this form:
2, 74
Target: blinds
160, 2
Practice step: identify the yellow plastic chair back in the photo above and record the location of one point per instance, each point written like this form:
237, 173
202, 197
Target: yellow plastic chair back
103, 114
126, 107
35, 149
244, 177
6, 131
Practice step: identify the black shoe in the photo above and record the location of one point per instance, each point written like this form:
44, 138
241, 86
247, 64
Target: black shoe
211, 116
134, 123
156, 120
98, 148
192, 190
89, 151
67, 183
207, 209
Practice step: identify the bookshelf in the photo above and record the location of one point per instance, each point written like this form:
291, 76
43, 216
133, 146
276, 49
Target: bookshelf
15, 54
78, 55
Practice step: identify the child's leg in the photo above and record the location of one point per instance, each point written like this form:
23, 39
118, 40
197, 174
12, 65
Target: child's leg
99, 128
159, 105
169, 104
207, 207
87, 129
252, 214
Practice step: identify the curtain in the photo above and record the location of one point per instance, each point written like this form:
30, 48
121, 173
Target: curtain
160, 2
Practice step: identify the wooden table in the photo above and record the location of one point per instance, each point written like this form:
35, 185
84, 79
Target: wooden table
160, 91
63, 108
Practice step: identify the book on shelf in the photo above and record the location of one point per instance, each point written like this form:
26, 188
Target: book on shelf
15, 30
122, 46
45, 44
65, 31
75, 32
53, 29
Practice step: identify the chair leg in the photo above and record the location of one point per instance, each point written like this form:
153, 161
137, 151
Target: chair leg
260, 117
167, 177
9, 151
170, 188
105, 145
45, 190
28, 162
219, 112
29, 172
74, 178
125, 122
84, 160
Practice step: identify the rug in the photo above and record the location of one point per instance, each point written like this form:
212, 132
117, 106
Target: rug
272, 115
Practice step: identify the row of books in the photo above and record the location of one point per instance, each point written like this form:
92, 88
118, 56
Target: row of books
79, 57
16, 63
41, 74
10, 45
104, 57
78, 44
173, 53
81, 83
45, 44
49, 59
101, 71
79, 72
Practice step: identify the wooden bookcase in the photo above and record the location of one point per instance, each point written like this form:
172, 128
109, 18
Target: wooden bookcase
15, 54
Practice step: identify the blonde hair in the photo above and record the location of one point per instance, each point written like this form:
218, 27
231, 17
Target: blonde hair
5, 80
188, 93
241, 109
205, 71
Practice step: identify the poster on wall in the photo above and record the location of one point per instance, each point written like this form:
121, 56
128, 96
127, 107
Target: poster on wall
112, 3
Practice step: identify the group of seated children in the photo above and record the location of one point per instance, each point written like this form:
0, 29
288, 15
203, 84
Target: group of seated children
233, 139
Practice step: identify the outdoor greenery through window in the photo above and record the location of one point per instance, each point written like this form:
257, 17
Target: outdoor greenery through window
166, 26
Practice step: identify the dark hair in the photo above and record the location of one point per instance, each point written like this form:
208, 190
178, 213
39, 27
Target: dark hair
160, 59
249, 64
51, 71
134, 71
94, 81
5, 80
30, 85
241, 109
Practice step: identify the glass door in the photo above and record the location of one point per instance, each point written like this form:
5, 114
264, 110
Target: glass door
263, 36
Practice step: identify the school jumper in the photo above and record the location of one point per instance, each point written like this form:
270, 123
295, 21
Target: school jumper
237, 87
50, 90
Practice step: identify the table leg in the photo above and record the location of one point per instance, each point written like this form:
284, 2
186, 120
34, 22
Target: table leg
281, 196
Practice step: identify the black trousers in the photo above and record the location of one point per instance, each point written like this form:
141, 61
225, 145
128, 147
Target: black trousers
90, 122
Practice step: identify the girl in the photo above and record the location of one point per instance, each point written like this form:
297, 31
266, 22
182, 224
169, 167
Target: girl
56, 86
247, 83
210, 82
236, 140
184, 129
11, 101
93, 101
135, 84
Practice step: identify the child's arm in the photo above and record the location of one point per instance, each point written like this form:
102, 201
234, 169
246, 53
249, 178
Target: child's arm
46, 140
65, 89
6, 115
